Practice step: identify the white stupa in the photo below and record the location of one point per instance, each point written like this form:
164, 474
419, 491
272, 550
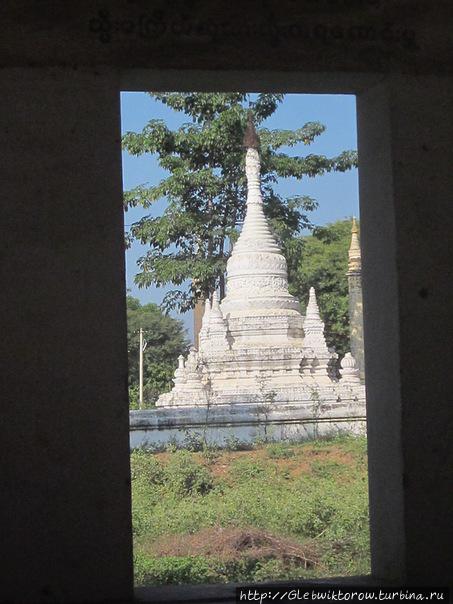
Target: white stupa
255, 347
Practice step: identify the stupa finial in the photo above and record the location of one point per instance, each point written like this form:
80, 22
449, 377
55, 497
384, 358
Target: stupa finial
204, 331
355, 260
349, 371
207, 309
252, 164
215, 303
313, 325
218, 329
251, 138
312, 306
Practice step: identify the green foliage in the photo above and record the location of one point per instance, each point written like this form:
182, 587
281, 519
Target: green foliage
146, 467
166, 340
134, 402
279, 450
194, 441
210, 453
320, 260
172, 570
323, 469
275, 570
206, 187
327, 505
243, 470
233, 443
184, 476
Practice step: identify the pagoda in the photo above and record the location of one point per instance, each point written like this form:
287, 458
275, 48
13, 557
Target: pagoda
255, 347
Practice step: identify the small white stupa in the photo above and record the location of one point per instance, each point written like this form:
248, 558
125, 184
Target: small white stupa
255, 347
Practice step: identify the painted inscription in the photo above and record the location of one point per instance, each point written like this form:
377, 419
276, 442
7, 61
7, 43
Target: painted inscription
156, 25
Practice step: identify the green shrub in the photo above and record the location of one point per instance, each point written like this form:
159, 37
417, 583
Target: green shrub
194, 441
238, 570
134, 397
210, 453
357, 446
329, 504
233, 443
245, 470
308, 510
199, 569
184, 476
326, 468
172, 570
145, 466
172, 446
276, 570
279, 451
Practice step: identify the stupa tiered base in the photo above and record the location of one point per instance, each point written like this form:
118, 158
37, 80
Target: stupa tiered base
262, 369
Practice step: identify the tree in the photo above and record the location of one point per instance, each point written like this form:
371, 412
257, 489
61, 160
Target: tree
206, 187
320, 260
165, 339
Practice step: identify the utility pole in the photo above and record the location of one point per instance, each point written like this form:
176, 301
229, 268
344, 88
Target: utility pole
142, 347
197, 319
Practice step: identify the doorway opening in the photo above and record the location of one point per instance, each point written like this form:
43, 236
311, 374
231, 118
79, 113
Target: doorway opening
281, 495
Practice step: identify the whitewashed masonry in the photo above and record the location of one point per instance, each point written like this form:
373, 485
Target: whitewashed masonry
261, 366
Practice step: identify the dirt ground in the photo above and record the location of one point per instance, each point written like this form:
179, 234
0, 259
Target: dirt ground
232, 543
295, 465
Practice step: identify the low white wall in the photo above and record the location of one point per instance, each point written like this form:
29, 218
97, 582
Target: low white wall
226, 424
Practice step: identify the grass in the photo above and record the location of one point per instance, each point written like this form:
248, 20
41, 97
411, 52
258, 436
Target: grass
279, 511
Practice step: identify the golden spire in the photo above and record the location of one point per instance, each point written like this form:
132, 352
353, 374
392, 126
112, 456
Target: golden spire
355, 261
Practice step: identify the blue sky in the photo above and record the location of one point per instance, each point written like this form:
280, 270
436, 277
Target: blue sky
336, 193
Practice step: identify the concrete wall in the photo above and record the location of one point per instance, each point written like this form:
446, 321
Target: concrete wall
66, 529
222, 425
405, 133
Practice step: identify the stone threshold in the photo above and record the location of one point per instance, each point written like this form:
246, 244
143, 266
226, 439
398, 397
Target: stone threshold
218, 593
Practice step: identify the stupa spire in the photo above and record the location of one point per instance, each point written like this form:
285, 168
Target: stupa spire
355, 260
256, 234
257, 280
355, 299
